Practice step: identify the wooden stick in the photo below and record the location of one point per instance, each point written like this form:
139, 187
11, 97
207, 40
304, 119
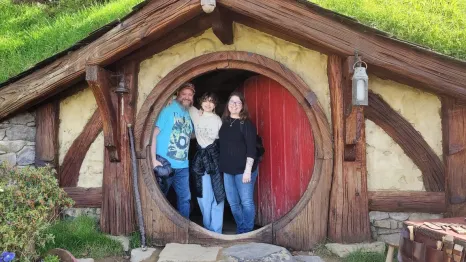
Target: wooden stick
391, 250
411, 233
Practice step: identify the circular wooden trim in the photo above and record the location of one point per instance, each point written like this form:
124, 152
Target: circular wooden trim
251, 62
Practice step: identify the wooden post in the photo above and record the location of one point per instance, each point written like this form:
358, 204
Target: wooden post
47, 122
349, 211
117, 215
454, 153
222, 25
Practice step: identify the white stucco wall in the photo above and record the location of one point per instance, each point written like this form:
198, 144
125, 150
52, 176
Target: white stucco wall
75, 112
310, 65
387, 165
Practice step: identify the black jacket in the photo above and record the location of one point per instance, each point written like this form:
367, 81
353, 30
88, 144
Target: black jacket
206, 161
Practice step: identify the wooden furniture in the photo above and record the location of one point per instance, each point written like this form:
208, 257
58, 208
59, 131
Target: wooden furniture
434, 240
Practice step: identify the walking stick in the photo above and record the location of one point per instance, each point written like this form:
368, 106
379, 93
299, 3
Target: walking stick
136, 190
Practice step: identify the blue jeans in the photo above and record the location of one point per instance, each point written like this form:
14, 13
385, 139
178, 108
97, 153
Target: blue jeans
180, 182
241, 199
212, 213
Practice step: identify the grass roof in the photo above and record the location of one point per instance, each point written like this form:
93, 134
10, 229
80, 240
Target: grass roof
30, 33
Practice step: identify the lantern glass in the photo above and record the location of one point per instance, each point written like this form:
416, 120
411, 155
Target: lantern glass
360, 86
208, 5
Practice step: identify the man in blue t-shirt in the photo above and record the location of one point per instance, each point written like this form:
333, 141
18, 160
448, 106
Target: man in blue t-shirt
170, 140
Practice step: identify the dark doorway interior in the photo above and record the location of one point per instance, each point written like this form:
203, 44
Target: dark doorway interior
222, 83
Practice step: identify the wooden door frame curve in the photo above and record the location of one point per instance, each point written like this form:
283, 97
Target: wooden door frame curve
305, 224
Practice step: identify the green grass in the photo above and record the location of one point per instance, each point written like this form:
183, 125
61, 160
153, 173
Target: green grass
365, 257
436, 24
30, 33
82, 238
135, 240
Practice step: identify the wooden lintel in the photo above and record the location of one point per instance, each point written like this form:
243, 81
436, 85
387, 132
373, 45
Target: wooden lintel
409, 139
151, 22
99, 81
85, 197
317, 29
222, 25
407, 201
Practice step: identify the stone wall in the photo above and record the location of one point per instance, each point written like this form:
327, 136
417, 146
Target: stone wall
386, 226
17, 140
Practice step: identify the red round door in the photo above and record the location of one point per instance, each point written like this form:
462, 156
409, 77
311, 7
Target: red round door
288, 162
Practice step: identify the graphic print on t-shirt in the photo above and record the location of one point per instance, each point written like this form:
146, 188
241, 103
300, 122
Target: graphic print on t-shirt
179, 139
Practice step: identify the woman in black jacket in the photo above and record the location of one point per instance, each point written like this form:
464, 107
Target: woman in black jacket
237, 138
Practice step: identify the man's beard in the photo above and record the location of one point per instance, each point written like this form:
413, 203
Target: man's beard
186, 107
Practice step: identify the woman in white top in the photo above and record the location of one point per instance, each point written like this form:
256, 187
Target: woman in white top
209, 180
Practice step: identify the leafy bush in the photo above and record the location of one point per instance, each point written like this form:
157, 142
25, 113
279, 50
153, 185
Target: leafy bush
29, 200
51, 258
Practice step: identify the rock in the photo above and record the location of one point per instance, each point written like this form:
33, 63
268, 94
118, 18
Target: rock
343, 250
382, 223
308, 259
393, 239
31, 124
377, 215
424, 216
399, 216
2, 133
400, 225
12, 146
384, 231
123, 240
373, 232
256, 252
190, 253
22, 119
85, 260
17, 132
31, 143
393, 224
26, 156
137, 255
10, 158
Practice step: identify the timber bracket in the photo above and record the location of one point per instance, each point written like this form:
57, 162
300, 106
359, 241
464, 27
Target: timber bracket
222, 25
100, 82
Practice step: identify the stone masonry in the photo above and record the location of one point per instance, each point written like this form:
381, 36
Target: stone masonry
17, 140
386, 226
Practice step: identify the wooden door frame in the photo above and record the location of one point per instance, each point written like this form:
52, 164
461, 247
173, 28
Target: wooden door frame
306, 223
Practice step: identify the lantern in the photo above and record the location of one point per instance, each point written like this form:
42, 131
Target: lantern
360, 84
208, 5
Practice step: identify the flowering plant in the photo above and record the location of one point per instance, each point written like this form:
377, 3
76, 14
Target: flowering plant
7, 256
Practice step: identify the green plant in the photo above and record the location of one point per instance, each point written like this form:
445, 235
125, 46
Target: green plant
51, 258
360, 256
29, 200
135, 240
82, 238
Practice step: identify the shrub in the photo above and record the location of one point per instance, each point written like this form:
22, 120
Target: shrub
29, 200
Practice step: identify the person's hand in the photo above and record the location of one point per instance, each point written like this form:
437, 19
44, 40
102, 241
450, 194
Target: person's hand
156, 163
246, 177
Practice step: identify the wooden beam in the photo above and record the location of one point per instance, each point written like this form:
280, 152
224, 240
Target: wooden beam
454, 155
85, 197
349, 215
153, 21
117, 214
100, 83
407, 201
222, 25
388, 57
69, 170
410, 140
47, 123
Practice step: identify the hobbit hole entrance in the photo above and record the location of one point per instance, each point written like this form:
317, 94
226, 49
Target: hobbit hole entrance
288, 163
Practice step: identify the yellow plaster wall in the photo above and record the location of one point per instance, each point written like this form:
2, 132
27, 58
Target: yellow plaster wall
310, 65
75, 112
388, 166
